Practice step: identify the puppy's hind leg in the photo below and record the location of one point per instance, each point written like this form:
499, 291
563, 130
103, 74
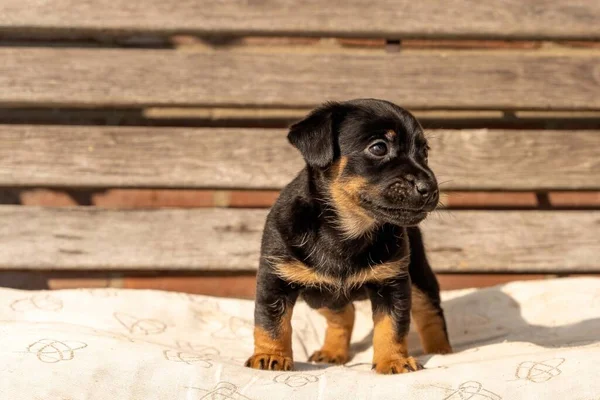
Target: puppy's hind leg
391, 315
426, 310
336, 347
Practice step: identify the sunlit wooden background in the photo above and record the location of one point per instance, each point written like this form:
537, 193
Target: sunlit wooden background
142, 141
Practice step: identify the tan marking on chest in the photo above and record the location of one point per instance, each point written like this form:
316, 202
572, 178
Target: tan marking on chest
299, 273
380, 273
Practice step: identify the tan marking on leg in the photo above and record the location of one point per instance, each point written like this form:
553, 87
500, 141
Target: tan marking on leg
336, 347
354, 220
390, 354
273, 351
429, 324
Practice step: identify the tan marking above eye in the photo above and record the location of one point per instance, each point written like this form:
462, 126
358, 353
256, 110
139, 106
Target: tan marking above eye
391, 135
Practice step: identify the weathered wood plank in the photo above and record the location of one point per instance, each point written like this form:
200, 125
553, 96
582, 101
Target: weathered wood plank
414, 79
386, 18
513, 159
225, 239
80, 156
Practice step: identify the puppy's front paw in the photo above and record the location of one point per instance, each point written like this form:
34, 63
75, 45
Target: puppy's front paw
329, 357
271, 362
397, 366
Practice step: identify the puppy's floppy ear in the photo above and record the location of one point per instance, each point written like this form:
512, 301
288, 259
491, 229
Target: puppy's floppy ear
316, 137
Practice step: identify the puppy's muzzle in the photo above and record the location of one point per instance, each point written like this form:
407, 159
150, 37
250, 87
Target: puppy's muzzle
414, 193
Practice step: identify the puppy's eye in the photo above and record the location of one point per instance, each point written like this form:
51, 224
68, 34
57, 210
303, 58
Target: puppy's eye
378, 149
425, 152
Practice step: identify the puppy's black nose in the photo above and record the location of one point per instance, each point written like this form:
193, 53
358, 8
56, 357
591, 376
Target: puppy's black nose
424, 187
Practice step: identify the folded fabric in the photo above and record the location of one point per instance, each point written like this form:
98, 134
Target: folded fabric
524, 340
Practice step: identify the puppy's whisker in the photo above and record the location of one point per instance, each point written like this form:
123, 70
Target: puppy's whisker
446, 181
441, 205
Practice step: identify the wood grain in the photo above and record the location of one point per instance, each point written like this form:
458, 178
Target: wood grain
226, 239
85, 156
513, 159
86, 238
386, 18
415, 79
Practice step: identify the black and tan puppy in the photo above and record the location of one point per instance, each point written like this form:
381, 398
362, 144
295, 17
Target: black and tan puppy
345, 229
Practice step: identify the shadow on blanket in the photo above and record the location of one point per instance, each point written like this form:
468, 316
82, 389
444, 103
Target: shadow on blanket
489, 316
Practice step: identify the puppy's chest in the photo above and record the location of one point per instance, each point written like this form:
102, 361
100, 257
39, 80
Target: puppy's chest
339, 277
321, 261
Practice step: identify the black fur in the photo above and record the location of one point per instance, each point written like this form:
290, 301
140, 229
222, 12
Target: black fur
303, 224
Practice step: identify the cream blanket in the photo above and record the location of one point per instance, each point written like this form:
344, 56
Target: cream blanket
535, 340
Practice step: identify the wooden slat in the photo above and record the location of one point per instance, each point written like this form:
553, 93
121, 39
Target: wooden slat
80, 156
123, 199
414, 79
226, 239
574, 199
240, 284
385, 18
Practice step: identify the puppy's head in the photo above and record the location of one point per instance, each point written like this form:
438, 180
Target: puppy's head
373, 155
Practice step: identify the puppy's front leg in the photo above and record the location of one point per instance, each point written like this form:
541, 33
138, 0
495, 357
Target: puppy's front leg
340, 322
391, 316
272, 324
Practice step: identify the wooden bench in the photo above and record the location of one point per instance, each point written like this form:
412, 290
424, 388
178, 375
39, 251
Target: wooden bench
237, 71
